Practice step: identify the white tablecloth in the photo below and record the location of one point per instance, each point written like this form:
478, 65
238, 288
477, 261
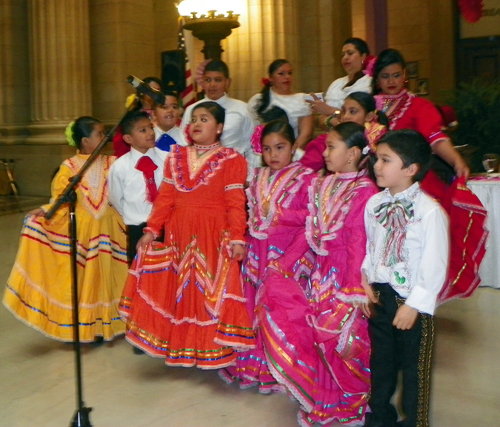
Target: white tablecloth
488, 191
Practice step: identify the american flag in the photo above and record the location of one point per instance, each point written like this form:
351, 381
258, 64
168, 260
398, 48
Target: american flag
188, 96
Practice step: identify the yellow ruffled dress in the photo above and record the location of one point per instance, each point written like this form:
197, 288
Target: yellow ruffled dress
39, 287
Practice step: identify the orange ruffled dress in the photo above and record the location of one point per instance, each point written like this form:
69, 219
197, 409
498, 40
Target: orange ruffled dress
39, 287
184, 300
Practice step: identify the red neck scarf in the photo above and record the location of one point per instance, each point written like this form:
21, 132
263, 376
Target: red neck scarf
147, 167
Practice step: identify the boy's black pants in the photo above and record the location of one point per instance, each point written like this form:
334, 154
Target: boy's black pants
134, 233
393, 350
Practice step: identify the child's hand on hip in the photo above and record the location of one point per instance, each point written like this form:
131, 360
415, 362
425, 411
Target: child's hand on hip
239, 251
405, 318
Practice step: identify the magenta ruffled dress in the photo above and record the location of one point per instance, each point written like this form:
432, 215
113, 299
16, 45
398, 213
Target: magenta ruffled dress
316, 339
285, 195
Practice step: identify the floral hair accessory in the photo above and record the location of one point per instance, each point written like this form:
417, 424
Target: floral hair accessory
369, 65
265, 81
256, 139
471, 10
68, 132
366, 150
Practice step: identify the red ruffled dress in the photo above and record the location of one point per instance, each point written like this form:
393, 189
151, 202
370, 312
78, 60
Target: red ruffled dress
184, 300
467, 215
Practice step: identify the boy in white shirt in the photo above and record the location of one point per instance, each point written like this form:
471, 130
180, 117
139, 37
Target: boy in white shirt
134, 178
238, 125
406, 266
165, 119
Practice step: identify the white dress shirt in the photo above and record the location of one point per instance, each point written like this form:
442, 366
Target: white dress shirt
421, 274
337, 92
238, 127
127, 188
176, 133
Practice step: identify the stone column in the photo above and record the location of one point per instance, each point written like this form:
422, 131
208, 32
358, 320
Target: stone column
324, 26
60, 67
268, 31
14, 71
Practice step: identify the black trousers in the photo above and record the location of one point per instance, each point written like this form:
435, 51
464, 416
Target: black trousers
134, 233
395, 350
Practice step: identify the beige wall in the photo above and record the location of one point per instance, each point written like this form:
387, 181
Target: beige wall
422, 30
127, 37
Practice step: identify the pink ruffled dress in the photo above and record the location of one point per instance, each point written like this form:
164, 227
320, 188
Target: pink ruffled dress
315, 339
285, 195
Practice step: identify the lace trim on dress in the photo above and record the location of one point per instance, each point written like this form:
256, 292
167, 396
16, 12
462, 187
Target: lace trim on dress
394, 106
93, 185
329, 203
270, 191
190, 171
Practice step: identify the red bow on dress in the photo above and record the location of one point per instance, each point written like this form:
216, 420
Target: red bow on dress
148, 167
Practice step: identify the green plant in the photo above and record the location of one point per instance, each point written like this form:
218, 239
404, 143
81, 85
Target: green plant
477, 106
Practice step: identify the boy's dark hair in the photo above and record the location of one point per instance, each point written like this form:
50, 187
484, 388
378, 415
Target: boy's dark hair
130, 119
411, 147
83, 128
218, 112
281, 128
218, 65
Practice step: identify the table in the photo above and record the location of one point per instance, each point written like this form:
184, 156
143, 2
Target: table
487, 189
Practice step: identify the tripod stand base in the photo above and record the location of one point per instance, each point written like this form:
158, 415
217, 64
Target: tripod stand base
81, 418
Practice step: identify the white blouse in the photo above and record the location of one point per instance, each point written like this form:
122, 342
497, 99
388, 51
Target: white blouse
337, 92
294, 105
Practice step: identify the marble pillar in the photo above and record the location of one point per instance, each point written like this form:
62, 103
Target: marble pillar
60, 67
14, 71
324, 25
268, 31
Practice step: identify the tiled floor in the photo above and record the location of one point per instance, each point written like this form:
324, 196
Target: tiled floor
37, 385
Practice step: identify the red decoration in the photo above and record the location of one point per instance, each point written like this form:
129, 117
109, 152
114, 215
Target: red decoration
471, 10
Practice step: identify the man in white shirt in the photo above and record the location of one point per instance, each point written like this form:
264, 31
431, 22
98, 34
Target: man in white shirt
239, 125
131, 191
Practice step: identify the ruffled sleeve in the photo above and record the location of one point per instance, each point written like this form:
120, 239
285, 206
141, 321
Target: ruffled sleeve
235, 173
427, 120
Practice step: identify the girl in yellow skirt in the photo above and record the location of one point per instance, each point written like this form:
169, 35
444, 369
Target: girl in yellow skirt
39, 287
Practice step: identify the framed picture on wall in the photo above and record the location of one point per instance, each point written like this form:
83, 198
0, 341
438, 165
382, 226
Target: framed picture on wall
422, 87
412, 69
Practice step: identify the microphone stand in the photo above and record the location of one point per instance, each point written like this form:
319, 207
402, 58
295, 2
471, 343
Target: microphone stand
81, 417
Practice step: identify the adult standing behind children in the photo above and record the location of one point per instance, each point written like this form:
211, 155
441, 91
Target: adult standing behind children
238, 125
135, 177
165, 120
277, 92
406, 264
354, 57
39, 287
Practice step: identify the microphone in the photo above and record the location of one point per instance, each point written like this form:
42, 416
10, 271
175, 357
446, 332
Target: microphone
145, 89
